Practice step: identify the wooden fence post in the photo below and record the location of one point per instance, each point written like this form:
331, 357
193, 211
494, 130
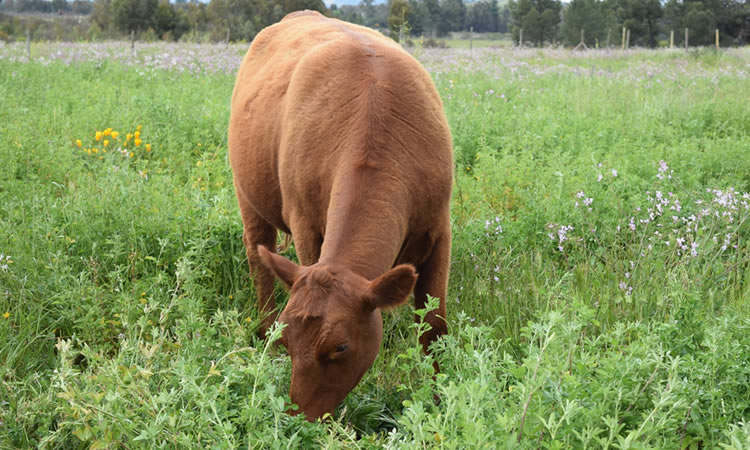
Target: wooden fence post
582, 43
471, 38
132, 43
627, 39
609, 35
671, 39
717, 39
686, 38
520, 39
623, 38
28, 44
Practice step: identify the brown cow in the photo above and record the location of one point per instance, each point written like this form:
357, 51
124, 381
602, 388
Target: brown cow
338, 136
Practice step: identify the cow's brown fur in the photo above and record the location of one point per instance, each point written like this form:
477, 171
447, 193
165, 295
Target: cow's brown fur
338, 136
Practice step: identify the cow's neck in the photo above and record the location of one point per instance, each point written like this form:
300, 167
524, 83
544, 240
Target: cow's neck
365, 227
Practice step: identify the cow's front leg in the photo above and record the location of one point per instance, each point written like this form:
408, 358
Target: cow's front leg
307, 243
433, 280
257, 231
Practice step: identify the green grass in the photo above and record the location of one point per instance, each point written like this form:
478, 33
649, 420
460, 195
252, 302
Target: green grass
129, 316
477, 43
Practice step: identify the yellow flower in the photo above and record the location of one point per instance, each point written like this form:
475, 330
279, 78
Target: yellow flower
106, 142
6, 315
108, 131
129, 136
79, 143
148, 147
131, 155
137, 134
248, 320
96, 150
98, 136
138, 128
115, 134
137, 142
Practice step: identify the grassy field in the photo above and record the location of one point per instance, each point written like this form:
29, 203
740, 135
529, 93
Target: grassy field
466, 40
477, 43
600, 276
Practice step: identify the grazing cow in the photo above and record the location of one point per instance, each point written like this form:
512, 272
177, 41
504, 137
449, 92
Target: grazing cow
337, 136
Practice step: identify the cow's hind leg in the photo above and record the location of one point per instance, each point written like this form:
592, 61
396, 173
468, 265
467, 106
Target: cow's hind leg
433, 280
259, 232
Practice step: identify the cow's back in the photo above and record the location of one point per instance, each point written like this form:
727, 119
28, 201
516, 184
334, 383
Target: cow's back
315, 96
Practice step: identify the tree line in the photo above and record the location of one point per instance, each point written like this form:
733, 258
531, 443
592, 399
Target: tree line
543, 21
217, 20
649, 22
436, 18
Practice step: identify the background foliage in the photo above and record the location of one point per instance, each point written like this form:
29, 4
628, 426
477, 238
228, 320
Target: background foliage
543, 21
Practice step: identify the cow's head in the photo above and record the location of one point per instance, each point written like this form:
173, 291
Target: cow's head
334, 327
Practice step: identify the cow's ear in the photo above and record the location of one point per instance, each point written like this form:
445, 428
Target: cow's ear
282, 268
392, 288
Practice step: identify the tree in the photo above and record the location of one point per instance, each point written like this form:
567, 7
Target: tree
59, 5
134, 15
432, 24
299, 5
641, 17
699, 16
81, 7
368, 9
397, 18
169, 22
418, 18
350, 13
245, 18
733, 20
700, 22
483, 16
587, 15
197, 17
101, 13
494, 14
242, 18
505, 21
539, 19
452, 14
7, 5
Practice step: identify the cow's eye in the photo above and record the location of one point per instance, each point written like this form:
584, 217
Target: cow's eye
341, 348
